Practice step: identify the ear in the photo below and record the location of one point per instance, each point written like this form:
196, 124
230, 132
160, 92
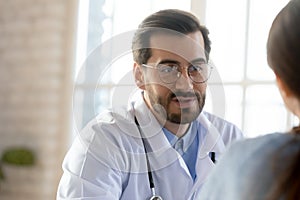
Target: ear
138, 76
290, 100
284, 91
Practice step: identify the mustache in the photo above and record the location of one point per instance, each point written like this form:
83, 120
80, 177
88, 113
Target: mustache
183, 94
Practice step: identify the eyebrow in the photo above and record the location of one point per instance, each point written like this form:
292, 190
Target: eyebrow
169, 61
177, 62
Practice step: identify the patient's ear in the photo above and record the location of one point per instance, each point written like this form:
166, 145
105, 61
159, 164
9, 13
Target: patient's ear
290, 100
284, 90
138, 76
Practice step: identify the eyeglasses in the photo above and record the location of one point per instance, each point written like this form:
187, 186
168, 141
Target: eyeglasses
171, 72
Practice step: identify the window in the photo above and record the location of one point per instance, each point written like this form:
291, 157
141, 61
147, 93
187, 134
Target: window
241, 89
239, 31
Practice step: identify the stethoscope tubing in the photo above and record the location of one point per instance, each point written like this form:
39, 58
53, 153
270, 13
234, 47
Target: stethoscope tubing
150, 176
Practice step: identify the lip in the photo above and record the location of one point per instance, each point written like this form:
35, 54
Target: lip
184, 102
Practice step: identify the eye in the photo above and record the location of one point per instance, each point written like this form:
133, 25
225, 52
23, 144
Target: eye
167, 68
198, 67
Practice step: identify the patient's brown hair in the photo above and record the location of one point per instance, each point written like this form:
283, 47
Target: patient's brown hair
283, 50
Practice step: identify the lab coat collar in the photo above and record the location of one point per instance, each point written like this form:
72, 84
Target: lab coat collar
213, 141
146, 119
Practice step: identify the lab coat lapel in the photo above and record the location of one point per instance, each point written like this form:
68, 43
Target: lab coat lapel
159, 150
212, 143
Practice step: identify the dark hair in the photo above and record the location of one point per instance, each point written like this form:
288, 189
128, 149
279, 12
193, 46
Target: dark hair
283, 47
170, 19
283, 50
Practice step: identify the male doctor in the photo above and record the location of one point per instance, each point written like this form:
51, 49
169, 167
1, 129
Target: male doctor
163, 145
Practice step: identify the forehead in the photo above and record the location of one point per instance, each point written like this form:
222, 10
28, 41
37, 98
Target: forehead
189, 47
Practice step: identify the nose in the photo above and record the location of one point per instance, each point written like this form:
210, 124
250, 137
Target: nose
184, 82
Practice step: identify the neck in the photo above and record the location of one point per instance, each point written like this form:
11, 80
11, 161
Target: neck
177, 129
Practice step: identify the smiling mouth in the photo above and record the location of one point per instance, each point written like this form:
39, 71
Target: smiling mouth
184, 102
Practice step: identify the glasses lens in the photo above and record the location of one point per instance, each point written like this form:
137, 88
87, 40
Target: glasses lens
168, 72
199, 73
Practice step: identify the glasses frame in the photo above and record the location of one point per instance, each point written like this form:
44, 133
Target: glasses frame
179, 73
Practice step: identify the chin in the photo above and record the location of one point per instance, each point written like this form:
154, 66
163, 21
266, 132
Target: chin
186, 116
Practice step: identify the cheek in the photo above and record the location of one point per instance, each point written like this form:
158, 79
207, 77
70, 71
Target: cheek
158, 94
159, 90
200, 88
153, 83
152, 78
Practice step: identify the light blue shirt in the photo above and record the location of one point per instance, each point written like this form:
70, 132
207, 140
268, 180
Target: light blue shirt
187, 146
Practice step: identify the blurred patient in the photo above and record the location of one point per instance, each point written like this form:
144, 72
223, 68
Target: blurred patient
268, 167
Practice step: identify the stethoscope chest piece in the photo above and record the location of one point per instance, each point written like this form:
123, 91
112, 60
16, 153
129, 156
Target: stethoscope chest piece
155, 198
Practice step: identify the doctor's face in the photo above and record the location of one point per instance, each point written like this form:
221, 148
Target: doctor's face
177, 98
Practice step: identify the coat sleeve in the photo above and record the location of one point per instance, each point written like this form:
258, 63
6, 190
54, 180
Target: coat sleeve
87, 176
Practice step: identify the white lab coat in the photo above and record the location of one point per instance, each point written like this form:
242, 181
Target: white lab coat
107, 159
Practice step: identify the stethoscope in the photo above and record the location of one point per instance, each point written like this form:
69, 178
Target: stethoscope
150, 177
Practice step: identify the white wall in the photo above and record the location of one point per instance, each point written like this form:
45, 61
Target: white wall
36, 53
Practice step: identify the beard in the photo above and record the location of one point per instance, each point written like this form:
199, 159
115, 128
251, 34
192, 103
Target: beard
162, 106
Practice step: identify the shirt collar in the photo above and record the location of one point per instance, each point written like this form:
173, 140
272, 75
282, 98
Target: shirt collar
187, 138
